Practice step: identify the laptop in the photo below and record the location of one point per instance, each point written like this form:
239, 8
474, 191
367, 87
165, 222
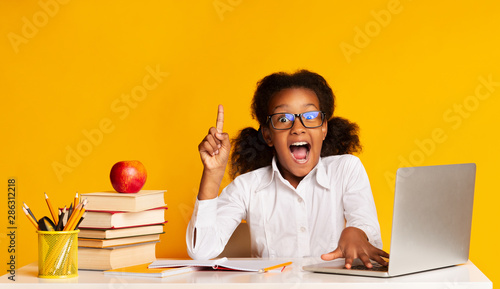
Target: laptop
431, 225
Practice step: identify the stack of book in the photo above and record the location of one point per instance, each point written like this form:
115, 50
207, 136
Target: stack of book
120, 230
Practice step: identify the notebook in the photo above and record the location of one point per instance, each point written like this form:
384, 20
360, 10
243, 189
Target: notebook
431, 224
247, 265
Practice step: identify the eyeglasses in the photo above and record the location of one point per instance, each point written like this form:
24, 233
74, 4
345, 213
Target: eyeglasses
310, 119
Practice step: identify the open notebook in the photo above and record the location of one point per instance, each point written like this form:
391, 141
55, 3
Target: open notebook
249, 265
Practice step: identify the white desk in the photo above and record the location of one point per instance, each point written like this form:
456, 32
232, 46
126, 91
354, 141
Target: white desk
463, 276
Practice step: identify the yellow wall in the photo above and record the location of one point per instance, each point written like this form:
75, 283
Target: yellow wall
142, 80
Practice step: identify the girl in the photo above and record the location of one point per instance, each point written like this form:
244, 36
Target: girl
295, 184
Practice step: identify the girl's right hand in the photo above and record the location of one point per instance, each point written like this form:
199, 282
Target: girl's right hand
215, 147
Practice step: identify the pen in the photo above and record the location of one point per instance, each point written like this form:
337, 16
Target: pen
70, 212
55, 216
274, 267
59, 225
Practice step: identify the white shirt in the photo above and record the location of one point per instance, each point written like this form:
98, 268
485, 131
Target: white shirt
284, 221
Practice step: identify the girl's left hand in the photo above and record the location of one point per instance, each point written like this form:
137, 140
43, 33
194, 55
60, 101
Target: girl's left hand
353, 244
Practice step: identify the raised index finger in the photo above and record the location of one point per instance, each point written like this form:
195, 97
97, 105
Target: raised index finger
220, 119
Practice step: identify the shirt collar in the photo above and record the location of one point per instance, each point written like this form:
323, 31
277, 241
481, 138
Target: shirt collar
319, 171
321, 175
268, 178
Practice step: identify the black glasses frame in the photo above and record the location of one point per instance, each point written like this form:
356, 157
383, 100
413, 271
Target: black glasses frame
297, 115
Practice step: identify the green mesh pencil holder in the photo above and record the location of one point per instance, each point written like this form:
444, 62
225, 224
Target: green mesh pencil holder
57, 254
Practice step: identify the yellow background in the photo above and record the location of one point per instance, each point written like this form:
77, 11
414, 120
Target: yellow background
421, 78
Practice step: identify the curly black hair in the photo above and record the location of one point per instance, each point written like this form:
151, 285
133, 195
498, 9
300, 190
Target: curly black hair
250, 151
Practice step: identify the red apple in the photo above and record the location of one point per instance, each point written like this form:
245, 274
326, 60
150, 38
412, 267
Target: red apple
128, 176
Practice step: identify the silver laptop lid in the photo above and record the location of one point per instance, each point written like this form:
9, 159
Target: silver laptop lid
432, 217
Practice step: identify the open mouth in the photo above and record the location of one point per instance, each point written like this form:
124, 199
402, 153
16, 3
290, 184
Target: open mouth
300, 151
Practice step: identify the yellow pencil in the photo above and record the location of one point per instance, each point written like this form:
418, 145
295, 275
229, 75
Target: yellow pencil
76, 200
79, 216
274, 267
79, 221
30, 218
55, 216
72, 217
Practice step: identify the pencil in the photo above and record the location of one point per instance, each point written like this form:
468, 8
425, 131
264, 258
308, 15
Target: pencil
29, 211
76, 200
55, 216
274, 267
81, 219
70, 212
72, 217
76, 221
30, 218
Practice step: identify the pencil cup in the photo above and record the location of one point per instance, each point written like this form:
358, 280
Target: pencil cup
57, 254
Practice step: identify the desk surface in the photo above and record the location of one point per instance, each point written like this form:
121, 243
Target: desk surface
462, 276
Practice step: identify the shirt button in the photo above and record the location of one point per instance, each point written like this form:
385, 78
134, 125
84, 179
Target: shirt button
300, 200
302, 229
